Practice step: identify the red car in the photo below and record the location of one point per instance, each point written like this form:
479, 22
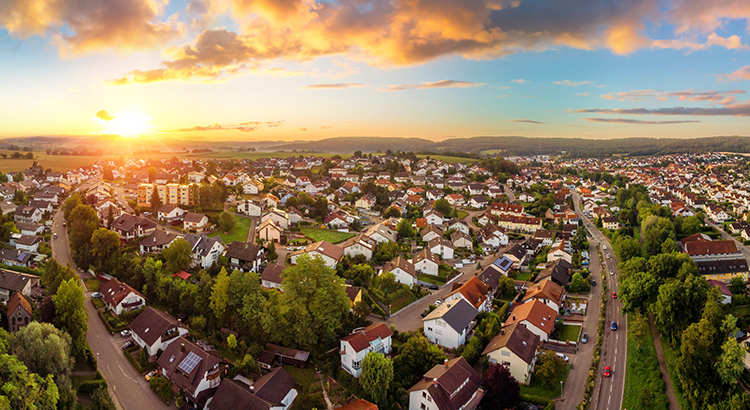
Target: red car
607, 371
614, 295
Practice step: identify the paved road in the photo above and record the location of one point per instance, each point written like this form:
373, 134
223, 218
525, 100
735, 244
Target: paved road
509, 193
120, 193
130, 390
608, 392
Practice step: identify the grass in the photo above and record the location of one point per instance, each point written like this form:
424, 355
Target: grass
536, 388
326, 235
238, 233
491, 151
461, 214
642, 370
670, 356
448, 159
570, 332
92, 284
303, 377
435, 280
523, 276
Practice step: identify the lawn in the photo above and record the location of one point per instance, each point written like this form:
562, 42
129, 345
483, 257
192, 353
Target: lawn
450, 160
670, 356
461, 214
570, 332
523, 276
535, 388
642, 373
238, 233
92, 284
326, 235
303, 377
434, 279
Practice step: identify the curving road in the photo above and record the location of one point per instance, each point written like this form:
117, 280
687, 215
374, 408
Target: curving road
608, 392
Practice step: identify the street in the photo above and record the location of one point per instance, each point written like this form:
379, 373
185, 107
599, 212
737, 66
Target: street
129, 389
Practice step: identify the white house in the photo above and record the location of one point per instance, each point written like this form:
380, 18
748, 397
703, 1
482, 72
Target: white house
194, 221
452, 385
170, 212
330, 253
154, 330
442, 247
360, 245
190, 368
426, 262
535, 316
355, 346
515, 348
205, 250
250, 208
272, 391
450, 323
402, 269
278, 216
120, 297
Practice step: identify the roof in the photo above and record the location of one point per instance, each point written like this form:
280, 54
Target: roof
401, 263
425, 254
13, 281
557, 271
545, 289
244, 251
490, 276
186, 375
272, 273
361, 239
150, 324
114, 291
710, 248
231, 395
16, 301
504, 263
158, 238
696, 237
28, 240
193, 217
182, 275
457, 314
165, 209
518, 339
360, 404
352, 292
451, 385
536, 313
722, 266
361, 339
713, 283
325, 248
274, 386
474, 291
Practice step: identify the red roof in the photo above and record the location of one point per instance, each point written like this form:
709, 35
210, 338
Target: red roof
360, 340
182, 275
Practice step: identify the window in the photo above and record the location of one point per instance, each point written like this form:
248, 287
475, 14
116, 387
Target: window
424, 394
506, 364
505, 353
422, 406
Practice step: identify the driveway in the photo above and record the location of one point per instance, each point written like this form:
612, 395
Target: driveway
126, 386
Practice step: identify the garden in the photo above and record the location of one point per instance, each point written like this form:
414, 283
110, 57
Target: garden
329, 236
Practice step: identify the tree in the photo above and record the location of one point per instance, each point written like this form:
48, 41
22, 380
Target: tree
177, 255
231, 341
70, 307
101, 400
578, 284
655, 230
362, 309
376, 377
220, 295
627, 248
152, 174
691, 225
444, 207
548, 368
501, 389
679, 304
226, 221
9, 228
415, 358
18, 177
81, 226
54, 274
737, 285
155, 201
22, 389
70, 204
392, 212
405, 229
506, 286
104, 245
638, 290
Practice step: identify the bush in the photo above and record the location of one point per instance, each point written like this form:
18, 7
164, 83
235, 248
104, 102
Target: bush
162, 387
538, 400
89, 386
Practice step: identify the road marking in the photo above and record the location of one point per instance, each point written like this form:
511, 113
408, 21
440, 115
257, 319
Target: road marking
123, 372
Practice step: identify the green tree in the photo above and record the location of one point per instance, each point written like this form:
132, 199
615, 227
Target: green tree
104, 245
627, 248
220, 295
638, 291
415, 358
177, 255
54, 274
152, 174
737, 285
392, 212
81, 226
101, 400
691, 225
362, 309
226, 221
70, 204
405, 229
376, 377
578, 284
548, 368
444, 207
70, 307
8, 229
24, 390
655, 230
231, 342
155, 201
18, 177
679, 304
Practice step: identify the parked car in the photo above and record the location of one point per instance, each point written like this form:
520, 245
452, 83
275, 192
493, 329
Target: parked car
54, 236
97, 295
608, 257
614, 295
562, 356
604, 247
593, 282
438, 302
433, 287
125, 333
585, 338
128, 344
611, 272
614, 325
151, 374
607, 371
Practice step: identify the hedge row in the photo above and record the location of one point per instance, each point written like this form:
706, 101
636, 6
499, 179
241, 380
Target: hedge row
89, 386
586, 402
538, 400
147, 368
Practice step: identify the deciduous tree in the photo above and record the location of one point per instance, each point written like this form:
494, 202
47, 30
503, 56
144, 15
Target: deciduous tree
415, 358
501, 389
70, 308
177, 255
376, 377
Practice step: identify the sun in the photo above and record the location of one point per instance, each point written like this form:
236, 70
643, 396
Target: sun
131, 124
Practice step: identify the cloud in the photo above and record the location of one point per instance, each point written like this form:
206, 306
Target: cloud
638, 122
582, 94
519, 81
608, 96
737, 110
573, 84
326, 127
73, 90
300, 129
104, 115
428, 85
741, 74
713, 96
527, 121
77, 26
333, 86
731, 43
504, 96
247, 126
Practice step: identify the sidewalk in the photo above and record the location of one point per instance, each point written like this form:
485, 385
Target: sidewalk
662, 364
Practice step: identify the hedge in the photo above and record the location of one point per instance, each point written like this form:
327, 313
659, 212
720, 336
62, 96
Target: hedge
538, 400
146, 368
89, 386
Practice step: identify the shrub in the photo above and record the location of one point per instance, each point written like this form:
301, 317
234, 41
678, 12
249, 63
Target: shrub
88, 387
162, 387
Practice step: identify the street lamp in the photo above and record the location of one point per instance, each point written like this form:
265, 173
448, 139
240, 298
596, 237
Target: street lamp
561, 389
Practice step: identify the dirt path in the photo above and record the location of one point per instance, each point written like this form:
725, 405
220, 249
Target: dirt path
663, 365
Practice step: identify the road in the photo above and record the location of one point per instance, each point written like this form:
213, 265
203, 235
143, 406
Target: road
574, 390
130, 390
120, 193
608, 392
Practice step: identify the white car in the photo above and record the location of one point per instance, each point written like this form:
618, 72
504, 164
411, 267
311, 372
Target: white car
562, 356
438, 302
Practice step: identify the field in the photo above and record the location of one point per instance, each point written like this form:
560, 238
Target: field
325, 235
238, 233
644, 387
491, 151
450, 160
255, 155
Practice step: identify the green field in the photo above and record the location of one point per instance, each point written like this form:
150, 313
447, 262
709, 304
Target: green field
644, 387
326, 235
256, 155
238, 233
450, 160
523, 276
461, 214
535, 388
92, 284
491, 151
570, 332
434, 279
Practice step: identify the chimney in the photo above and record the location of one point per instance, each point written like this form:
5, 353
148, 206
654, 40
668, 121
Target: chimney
514, 318
502, 331
182, 347
445, 362
435, 382
252, 389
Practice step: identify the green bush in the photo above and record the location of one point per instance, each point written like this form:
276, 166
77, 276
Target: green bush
538, 400
162, 387
88, 387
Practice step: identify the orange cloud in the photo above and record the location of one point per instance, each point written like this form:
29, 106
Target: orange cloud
428, 85
335, 86
247, 126
76, 26
738, 75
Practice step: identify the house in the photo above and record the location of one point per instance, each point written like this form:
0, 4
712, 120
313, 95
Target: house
503, 264
452, 385
717, 260
726, 294
156, 241
478, 202
442, 247
517, 255
18, 312
559, 253
355, 346
250, 208
28, 243
271, 276
360, 404
195, 222
244, 256
205, 250
120, 297
611, 223
461, 240
426, 262
402, 269
190, 369
360, 245
515, 348
331, 254
450, 323
474, 291
27, 214
285, 355
535, 316
252, 187
381, 233
44, 206
434, 217
278, 216
130, 227
430, 232
169, 213
15, 257
153, 330
13, 282
272, 391
558, 271
28, 228
270, 231
546, 291
354, 293
366, 202
458, 225
335, 220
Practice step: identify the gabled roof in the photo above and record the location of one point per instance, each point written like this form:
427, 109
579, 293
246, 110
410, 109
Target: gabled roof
546, 289
402, 263
325, 248
114, 291
193, 217
425, 254
452, 384
16, 301
710, 248
516, 338
272, 273
474, 291
173, 357
274, 386
158, 238
360, 340
536, 313
150, 324
458, 314
244, 251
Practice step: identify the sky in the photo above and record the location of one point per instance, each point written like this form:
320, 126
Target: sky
271, 70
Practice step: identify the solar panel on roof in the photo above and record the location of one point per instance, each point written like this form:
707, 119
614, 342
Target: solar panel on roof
188, 364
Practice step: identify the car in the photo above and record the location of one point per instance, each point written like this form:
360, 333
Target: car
562, 356
611, 272
607, 371
433, 287
97, 295
593, 282
125, 333
585, 338
613, 326
608, 257
604, 247
151, 374
614, 295
63, 223
438, 302
54, 236
128, 344
426, 312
